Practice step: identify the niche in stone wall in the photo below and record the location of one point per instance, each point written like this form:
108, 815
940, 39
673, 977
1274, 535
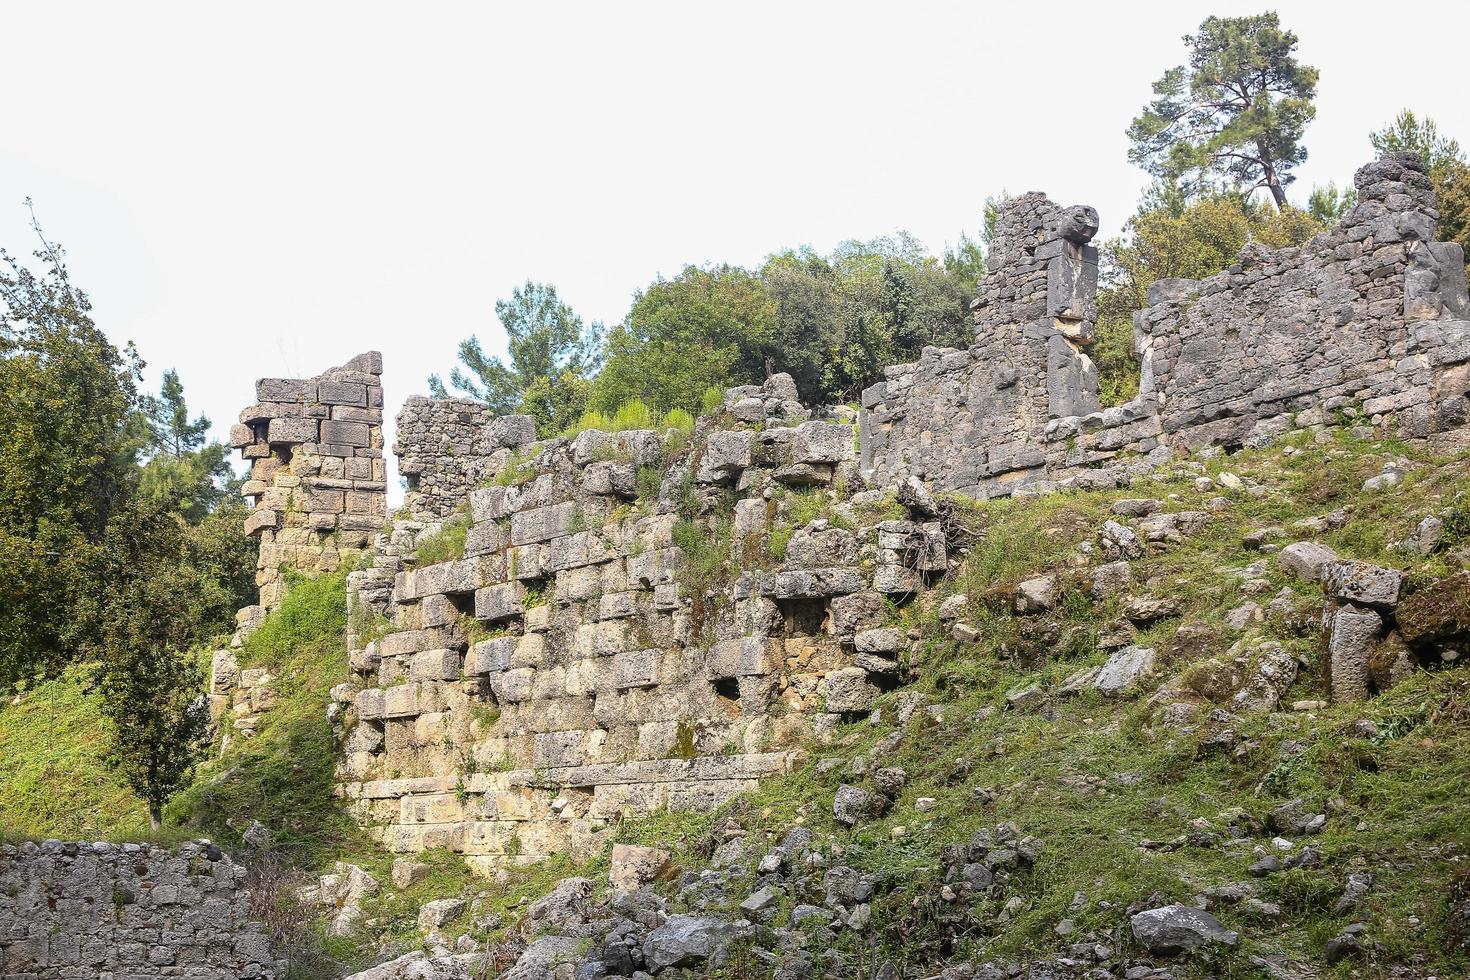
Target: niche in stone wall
804, 616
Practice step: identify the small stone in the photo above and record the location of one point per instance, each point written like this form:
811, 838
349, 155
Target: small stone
1179, 928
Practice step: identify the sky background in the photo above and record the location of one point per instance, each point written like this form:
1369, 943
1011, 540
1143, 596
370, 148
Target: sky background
268, 189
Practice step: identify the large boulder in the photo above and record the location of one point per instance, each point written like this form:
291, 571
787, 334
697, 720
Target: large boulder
685, 940
1179, 928
1437, 613
634, 866
1305, 560
1124, 670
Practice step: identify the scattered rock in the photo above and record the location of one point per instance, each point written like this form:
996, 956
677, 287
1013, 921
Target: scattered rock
1124, 669
853, 805
1179, 928
634, 866
1362, 584
1150, 609
408, 872
1304, 560
440, 913
1037, 594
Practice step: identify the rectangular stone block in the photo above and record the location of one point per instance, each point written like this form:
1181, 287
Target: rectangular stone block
285, 390
493, 503
446, 578
542, 523
406, 642
319, 501
742, 657
284, 431
435, 665
401, 701
635, 668
345, 433
512, 686
495, 603
490, 656
367, 502
342, 393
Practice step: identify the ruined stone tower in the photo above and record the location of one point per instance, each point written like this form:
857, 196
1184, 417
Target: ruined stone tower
317, 476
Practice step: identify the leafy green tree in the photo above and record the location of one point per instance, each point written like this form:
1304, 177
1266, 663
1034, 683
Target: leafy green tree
182, 467
547, 342
556, 403
67, 458
1234, 113
809, 316
1328, 204
1445, 161
705, 327
152, 690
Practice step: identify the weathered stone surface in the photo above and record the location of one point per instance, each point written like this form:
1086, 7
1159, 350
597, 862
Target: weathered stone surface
1124, 670
1354, 634
853, 805
1179, 928
1305, 560
440, 913
128, 910
1436, 613
848, 690
1362, 584
1037, 595
686, 940
634, 866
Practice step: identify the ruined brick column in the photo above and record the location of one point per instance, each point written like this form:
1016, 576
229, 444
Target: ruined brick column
317, 475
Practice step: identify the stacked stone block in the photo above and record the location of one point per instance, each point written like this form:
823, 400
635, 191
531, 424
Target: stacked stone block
1370, 314
72, 911
317, 475
566, 670
446, 446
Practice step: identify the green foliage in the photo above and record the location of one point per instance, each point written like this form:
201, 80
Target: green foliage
546, 339
1235, 113
1328, 205
284, 776
448, 542
554, 401
182, 469
705, 327
55, 779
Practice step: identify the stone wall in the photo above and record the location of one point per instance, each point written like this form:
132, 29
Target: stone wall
1369, 315
127, 912
446, 446
317, 476
567, 669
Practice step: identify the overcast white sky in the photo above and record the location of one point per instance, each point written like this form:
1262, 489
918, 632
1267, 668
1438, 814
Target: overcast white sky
270, 188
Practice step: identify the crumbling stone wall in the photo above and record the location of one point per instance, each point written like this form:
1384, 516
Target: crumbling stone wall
127, 912
568, 669
317, 477
972, 420
446, 446
1369, 314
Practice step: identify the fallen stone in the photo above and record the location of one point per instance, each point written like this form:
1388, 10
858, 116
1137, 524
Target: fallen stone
1437, 613
1304, 559
1149, 609
1354, 635
685, 940
634, 866
1179, 928
1362, 584
408, 872
1037, 594
854, 805
1123, 670
440, 913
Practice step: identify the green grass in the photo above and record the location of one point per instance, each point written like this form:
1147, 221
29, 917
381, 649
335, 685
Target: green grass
55, 780
448, 542
284, 776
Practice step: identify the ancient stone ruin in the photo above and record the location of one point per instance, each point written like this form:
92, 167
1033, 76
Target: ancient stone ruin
129, 912
1369, 314
637, 620
317, 475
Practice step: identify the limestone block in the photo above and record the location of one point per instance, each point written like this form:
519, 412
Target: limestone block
819, 546
1353, 637
1362, 584
530, 651
634, 866
490, 656
848, 690
1305, 559
742, 657
406, 642
557, 749
894, 579
542, 523
1037, 595
484, 538
262, 520
822, 442
435, 665
575, 550
617, 605
611, 478
493, 503
602, 639
224, 672
290, 431
854, 612
496, 603
512, 686
353, 434
726, 454
887, 641
1124, 670
812, 583
401, 701
652, 568
634, 668
446, 578
285, 390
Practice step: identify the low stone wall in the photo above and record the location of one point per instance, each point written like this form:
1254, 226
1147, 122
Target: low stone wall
127, 912
1369, 316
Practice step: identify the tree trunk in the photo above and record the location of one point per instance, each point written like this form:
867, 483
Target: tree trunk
155, 817
1273, 180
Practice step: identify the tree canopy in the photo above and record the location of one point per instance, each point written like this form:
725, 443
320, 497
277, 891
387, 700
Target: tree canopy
1234, 114
1448, 171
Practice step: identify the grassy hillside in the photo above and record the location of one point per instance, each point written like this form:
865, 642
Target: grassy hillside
54, 776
